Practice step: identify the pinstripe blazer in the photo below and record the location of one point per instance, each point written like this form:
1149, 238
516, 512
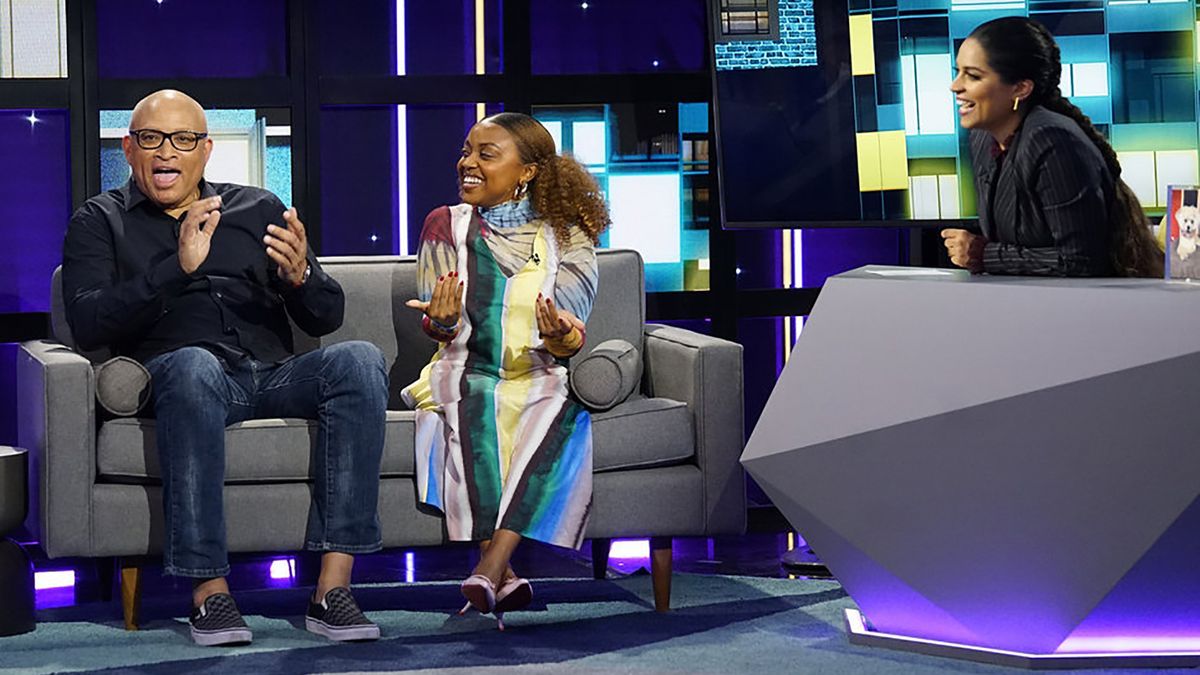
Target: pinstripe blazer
1044, 207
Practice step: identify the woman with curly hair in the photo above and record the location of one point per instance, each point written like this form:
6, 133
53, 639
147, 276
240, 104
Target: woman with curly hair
506, 281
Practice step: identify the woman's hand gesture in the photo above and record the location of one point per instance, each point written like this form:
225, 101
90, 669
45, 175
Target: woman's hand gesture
554, 323
445, 306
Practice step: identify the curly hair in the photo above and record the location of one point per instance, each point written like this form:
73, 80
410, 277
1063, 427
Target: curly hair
1019, 48
562, 192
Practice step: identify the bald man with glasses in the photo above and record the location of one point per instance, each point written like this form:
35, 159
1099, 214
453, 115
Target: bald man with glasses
197, 281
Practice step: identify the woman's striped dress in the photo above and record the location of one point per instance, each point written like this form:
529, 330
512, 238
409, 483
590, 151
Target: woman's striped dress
499, 443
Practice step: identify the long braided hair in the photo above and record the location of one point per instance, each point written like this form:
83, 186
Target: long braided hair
1019, 48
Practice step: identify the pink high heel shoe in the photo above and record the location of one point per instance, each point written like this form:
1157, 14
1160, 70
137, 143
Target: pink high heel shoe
514, 594
480, 594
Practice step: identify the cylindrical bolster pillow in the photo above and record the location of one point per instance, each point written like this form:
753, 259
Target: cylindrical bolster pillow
122, 386
607, 375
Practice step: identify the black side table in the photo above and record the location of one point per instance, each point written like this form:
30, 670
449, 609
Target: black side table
16, 570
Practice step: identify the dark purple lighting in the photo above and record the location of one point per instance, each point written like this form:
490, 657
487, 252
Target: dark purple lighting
35, 203
246, 39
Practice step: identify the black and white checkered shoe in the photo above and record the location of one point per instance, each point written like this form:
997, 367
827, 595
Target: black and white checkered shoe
338, 617
218, 622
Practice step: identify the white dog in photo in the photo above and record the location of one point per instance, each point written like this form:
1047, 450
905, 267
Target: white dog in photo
1188, 219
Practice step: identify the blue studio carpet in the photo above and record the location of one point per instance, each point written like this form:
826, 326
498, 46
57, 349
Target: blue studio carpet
721, 624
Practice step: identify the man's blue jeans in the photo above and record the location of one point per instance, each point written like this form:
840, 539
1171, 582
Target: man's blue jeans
197, 394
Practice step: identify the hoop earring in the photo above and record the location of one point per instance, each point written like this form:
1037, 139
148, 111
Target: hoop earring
1016, 103
522, 189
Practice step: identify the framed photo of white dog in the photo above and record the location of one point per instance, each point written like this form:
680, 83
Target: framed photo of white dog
1181, 227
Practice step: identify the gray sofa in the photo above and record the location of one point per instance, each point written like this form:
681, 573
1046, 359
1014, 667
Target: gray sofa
666, 459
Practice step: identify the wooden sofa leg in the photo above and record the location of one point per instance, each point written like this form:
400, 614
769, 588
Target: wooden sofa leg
660, 572
600, 549
131, 593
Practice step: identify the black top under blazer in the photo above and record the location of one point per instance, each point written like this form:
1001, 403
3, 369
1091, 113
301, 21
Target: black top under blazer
1044, 204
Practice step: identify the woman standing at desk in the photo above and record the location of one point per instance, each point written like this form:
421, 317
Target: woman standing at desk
1050, 197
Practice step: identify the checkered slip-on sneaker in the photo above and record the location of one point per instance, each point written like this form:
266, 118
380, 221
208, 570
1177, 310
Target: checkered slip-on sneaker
338, 617
218, 622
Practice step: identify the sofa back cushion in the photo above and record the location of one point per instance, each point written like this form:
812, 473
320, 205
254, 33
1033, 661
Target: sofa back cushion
377, 287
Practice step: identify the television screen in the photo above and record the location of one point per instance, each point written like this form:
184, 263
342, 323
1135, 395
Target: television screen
839, 112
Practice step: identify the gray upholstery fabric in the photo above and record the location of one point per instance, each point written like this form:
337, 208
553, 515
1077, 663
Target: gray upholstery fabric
645, 432
56, 423
641, 502
376, 289
620, 307
266, 450
706, 373
259, 518
263, 518
609, 373
642, 433
122, 386
666, 459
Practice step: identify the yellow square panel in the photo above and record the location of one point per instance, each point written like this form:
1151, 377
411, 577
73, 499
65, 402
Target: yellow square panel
893, 160
869, 178
862, 45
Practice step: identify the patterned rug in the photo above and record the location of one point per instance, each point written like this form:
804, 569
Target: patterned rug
720, 624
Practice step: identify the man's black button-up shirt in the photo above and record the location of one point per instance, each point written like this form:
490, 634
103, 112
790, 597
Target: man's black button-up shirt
124, 289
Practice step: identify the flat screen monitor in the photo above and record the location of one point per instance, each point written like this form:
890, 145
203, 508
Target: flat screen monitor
838, 113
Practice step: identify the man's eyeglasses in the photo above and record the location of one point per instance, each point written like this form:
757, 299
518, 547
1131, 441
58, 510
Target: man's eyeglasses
152, 139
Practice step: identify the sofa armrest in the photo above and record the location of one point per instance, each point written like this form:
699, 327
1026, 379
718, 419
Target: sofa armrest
56, 423
706, 373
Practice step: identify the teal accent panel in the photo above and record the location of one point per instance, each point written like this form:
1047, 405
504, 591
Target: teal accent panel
923, 5
693, 244
693, 118
114, 170
932, 145
890, 117
115, 119
217, 119
1098, 108
664, 277
279, 168
1164, 136
230, 119
962, 22
1083, 48
1151, 17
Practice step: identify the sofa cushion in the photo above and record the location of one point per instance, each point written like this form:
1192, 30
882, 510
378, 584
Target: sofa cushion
642, 433
639, 433
122, 386
264, 450
607, 375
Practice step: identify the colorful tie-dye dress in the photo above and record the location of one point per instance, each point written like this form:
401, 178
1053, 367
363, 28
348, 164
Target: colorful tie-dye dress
499, 442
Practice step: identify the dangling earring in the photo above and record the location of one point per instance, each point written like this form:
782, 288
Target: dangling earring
1016, 103
522, 188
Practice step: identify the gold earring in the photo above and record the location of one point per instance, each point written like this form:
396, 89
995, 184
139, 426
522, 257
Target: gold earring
522, 188
1016, 103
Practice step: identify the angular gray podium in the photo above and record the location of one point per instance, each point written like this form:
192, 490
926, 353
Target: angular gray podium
1000, 469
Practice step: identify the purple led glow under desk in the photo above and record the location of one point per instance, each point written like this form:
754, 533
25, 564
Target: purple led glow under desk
999, 469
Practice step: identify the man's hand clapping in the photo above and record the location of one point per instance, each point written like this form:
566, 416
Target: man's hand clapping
288, 247
196, 232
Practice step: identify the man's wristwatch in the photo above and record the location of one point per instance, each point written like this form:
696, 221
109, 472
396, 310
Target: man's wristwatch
307, 274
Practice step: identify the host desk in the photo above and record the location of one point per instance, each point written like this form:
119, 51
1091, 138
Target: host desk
1007, 467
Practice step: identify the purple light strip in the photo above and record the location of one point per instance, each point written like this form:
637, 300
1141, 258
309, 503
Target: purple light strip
283, 568
630, 549
1122, 647
53, 579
